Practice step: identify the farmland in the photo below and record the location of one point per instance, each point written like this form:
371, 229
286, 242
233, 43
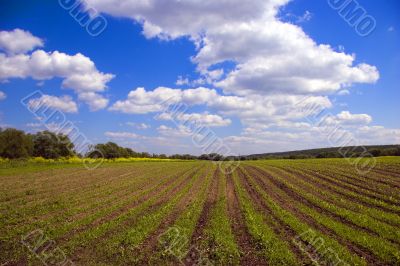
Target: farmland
270, 212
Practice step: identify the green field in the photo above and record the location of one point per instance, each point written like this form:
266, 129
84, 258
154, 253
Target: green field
272, 212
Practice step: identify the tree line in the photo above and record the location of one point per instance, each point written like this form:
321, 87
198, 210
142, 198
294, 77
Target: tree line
16, 144
335, 152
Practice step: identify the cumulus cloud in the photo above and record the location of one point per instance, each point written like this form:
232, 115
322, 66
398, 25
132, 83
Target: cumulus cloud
78, 72
122, 135
94, 100
182, 81
250, 109
275, 64
308, 136
204, 119
276, 69
345, 118
307, 16
173, 19
343, 92
179, 132
275, 52
140, 101
374, 135
18, 41
2, 96
140, 126
34, 125
63, 103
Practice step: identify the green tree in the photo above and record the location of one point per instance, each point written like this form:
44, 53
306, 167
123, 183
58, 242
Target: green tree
111, 150
15, 144
52, 146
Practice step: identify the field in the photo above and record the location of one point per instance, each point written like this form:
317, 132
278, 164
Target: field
273, 212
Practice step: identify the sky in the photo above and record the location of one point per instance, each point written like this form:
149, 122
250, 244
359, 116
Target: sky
249, 73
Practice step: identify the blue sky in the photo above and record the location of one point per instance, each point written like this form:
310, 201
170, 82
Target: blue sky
241, 68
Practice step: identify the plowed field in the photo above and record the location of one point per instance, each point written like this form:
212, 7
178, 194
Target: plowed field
273, 212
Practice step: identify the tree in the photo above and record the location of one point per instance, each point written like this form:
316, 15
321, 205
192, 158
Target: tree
66, 147
52, 146
211, 157
130, 152
145, 155
15, 144
110, 150
375, 152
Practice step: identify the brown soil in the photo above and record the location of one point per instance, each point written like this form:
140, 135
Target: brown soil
212, 197
244, 240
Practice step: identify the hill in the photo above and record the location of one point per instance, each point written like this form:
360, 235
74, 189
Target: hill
333, 152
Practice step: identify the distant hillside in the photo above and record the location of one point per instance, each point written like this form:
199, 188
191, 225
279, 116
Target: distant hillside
335, 152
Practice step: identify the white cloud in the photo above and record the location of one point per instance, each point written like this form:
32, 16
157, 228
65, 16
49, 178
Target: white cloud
375, 135
275, 51
53, 127
63, 103
182, 81
122, 135
2, 96
326, 72
34, 125
307, 136
94, 100
141, 101
77, 71
251, 109
343, 92
275, 64
173, 19
179, 132
345, 118
160, 144
18, 41
141, 126
205, 119
307, 16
